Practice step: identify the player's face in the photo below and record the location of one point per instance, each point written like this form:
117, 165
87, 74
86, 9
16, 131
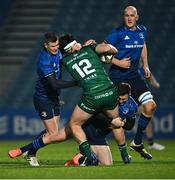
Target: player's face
52, 47
123, 98
130, 18
76, 47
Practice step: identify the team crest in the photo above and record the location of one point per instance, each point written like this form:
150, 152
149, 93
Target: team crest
44, 114
141, 35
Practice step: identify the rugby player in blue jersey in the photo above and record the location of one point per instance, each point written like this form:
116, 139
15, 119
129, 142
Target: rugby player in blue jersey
46, 96
129, 39
97, 128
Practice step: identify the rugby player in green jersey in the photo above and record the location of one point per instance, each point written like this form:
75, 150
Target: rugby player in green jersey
99, 93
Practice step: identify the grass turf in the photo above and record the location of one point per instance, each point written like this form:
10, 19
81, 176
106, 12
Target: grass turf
52, 159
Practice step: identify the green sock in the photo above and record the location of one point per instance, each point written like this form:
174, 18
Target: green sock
85, 149
123, 151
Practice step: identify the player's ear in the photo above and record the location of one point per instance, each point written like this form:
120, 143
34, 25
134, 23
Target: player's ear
137, 17
45, 45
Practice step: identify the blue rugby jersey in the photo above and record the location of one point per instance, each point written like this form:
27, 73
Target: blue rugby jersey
129, 44
128, 108
47, 64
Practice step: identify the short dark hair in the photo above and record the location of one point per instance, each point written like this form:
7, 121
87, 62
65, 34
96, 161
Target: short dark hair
64, 40
123, 88
50, 37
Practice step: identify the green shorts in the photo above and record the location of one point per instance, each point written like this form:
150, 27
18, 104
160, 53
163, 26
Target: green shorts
106, 100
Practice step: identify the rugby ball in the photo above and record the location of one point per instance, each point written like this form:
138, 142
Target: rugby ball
106, 58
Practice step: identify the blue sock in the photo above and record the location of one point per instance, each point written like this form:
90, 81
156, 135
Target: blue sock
35, 144
34, 151
41, 134
142, 124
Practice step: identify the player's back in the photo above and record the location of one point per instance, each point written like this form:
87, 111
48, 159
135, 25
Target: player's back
86, 68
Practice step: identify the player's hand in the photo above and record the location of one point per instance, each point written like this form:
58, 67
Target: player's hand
125, 63
89, 42
117, 123
147, 72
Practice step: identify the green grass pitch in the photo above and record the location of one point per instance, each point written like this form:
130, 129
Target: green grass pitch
52, 159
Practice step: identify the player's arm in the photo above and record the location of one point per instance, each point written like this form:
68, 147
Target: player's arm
130, 117
123, 63
106, 49
144, 58
59, 84
153, 81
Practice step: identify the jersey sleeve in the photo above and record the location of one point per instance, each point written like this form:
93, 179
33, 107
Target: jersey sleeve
144, 31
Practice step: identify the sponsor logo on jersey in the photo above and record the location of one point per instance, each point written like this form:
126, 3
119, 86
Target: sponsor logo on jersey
126, 37
134, 46
136, 42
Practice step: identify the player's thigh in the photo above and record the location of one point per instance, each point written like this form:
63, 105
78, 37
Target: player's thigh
103, 153
138, 87
112, 113
79, 116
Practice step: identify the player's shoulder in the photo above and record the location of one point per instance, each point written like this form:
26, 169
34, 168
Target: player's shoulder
131, 99
119, 29
43, 57
141, 27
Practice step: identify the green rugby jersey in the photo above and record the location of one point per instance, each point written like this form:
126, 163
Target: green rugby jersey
86, 67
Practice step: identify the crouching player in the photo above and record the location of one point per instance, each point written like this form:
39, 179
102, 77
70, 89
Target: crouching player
97, 128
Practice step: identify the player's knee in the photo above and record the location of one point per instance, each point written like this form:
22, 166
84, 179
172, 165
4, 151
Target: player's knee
106, 163
149, 108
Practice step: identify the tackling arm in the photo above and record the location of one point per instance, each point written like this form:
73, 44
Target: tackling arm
60, 84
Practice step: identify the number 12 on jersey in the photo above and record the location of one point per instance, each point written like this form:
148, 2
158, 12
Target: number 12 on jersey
84, 67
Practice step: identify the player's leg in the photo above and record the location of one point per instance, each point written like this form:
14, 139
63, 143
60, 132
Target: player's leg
145, 98
45, 109
78, 118
52, 130
144, 119
30, 156
150, 138
103, 154
119, 137
96, 132
116, 121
